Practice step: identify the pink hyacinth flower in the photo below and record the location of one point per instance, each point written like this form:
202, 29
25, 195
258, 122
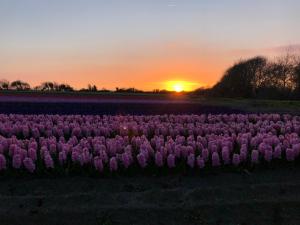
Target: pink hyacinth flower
52, 148
205, 154
113, 164
254, 157
12, 149
98, 163
268, 155
225, 155
215, 159
1, 148
191, 160
32, 154
2, 162
74, 156
159, 159
62, 157
200, 162
290, 156
296, 149
184, 151
171, 161
236, 159
80, 159
243, 153
29, 164
86, 157
142, 160
277, 152
48, 161
177, 151
104, 156
262, 147
126, 160
17, 161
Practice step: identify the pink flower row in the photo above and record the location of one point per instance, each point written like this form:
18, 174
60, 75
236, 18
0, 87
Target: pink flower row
118, 142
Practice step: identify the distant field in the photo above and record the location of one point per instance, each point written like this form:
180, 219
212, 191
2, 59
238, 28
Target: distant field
137, 103
253, 105
104, 103
87, 96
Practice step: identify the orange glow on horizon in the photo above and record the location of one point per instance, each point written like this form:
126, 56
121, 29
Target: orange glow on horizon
179, 86
143, 68
146, 67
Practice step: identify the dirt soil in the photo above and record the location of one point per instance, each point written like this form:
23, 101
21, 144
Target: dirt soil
268, 196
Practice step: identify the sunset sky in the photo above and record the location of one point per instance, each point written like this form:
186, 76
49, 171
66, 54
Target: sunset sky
139, 43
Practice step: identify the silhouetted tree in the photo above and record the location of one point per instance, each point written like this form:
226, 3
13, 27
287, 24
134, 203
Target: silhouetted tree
65, 87
104, 90
202, 91
297, 79
242, 79
128, 90
4, 85
92, 88
258, 78
19, 85
48, 86
283, 71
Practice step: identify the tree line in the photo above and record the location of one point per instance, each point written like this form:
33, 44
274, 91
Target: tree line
48, 86
259, 77
19, 85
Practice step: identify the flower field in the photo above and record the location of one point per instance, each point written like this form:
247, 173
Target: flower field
109, 144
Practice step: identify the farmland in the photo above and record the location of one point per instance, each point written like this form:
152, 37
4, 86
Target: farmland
148, 160
127, 103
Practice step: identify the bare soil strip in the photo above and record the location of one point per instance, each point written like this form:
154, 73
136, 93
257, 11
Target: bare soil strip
268, 196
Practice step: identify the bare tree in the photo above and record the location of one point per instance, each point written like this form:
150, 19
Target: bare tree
297, 77
283, 71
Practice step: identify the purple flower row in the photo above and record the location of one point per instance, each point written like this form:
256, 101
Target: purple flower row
29, 142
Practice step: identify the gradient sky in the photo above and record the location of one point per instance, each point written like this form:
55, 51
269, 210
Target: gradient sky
137, 43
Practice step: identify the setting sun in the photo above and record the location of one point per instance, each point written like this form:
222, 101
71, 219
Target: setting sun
179, 86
